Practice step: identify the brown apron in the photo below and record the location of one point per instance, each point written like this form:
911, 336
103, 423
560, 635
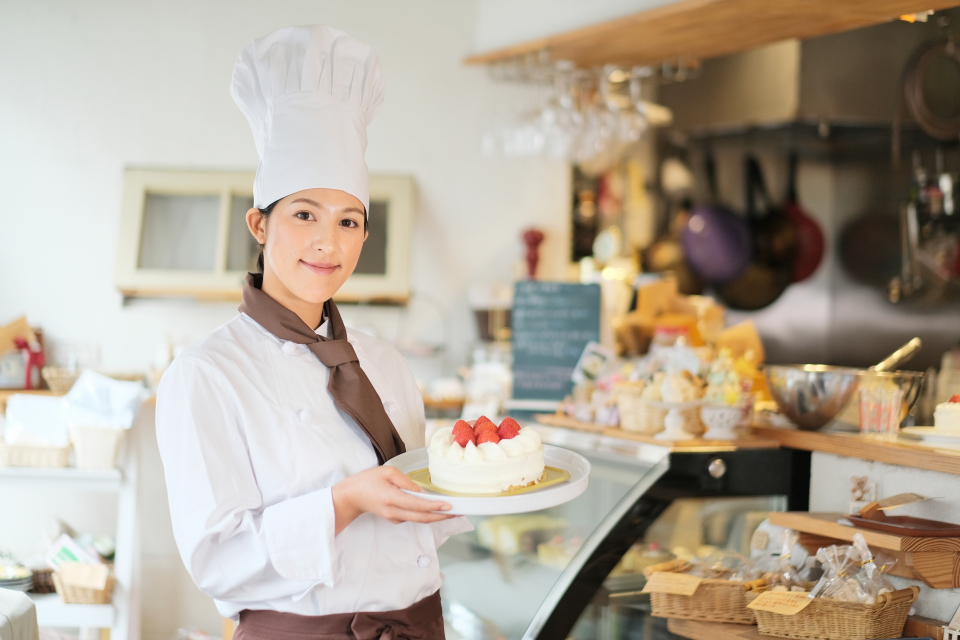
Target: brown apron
422, 620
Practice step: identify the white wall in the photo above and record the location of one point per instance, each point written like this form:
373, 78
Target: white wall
89, 88
93, 87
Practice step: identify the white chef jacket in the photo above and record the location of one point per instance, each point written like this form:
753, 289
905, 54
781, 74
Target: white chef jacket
252, 443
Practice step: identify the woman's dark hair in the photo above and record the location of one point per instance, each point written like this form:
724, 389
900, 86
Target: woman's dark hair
266, 211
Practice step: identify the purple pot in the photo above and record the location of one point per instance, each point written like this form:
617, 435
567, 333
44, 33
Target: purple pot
716, 243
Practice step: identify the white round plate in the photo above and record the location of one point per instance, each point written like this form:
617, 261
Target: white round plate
931, 435
534, 500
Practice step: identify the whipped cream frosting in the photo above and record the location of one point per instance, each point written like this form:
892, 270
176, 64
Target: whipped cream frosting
946, 417
443, 444
488, 467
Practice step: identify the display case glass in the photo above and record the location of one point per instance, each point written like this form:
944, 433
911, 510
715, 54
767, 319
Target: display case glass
574, 571
499, 576
688, 528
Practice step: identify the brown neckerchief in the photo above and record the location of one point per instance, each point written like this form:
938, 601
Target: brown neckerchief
352, 391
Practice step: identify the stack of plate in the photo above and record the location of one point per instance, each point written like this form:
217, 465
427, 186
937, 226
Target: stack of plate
15, 577
930, 435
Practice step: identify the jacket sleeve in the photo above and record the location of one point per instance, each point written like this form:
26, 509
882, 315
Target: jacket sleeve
234, 547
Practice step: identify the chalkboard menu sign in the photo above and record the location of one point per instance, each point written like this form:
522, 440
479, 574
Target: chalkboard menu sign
552, 323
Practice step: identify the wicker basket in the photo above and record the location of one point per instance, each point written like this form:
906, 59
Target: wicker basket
43, 581
714, 601
59, 379
20, 455
835, 620
81, 595
96, 447
641, 417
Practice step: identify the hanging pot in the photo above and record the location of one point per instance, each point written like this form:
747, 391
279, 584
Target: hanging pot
770, 271
716, 242
810, 243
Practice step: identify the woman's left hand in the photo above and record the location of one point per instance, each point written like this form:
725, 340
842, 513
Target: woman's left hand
380, 491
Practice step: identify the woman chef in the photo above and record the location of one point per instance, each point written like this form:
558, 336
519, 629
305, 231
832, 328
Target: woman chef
274, 427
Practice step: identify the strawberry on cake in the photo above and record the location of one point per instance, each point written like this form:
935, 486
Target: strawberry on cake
485, 458
946, 417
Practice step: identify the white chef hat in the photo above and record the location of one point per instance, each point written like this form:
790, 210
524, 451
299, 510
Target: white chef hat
309, 94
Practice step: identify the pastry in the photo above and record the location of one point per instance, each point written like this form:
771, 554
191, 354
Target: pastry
485, 458
946, 417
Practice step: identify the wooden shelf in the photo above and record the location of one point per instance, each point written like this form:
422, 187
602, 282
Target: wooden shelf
697, 444
709, 28
697, 630
853, 445
935, 561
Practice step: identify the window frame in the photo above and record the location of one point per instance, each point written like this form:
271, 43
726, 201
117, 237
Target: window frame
133, 281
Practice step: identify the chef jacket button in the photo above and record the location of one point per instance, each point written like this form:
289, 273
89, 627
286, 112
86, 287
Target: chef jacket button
303, 414
289, 348
423, 562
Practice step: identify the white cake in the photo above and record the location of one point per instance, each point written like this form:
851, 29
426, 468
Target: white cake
490, 467
946, 417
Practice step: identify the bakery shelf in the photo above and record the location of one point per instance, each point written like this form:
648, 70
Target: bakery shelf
935, 561
52, 612
697, 444
67, 478
916, 627
853, 445
707, 28
122, 617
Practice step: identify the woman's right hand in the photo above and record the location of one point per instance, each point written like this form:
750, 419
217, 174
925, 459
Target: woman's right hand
380, 491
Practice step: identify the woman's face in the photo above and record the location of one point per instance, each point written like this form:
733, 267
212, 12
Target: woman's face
312, 241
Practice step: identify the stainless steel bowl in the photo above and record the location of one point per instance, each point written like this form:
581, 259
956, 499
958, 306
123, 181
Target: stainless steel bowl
811, 395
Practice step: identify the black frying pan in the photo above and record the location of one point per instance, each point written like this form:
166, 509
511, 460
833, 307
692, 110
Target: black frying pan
774, 248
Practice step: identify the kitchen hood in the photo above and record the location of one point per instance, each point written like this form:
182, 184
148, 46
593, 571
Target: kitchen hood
850, 78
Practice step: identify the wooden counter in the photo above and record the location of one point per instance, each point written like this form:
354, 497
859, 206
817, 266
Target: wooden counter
901, 452
852, 445
751, 441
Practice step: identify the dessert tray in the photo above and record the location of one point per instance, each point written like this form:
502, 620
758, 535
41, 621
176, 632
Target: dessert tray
567, 474
931, 435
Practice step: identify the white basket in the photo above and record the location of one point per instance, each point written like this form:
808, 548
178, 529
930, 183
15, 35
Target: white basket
18, 455
96, 447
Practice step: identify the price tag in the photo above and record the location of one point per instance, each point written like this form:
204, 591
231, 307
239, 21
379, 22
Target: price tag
955, 622
679, 584
786, 603
87, 576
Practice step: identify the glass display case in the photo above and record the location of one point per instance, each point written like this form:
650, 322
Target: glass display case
573, 571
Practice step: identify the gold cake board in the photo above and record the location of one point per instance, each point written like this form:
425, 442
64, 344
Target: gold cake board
551, 476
